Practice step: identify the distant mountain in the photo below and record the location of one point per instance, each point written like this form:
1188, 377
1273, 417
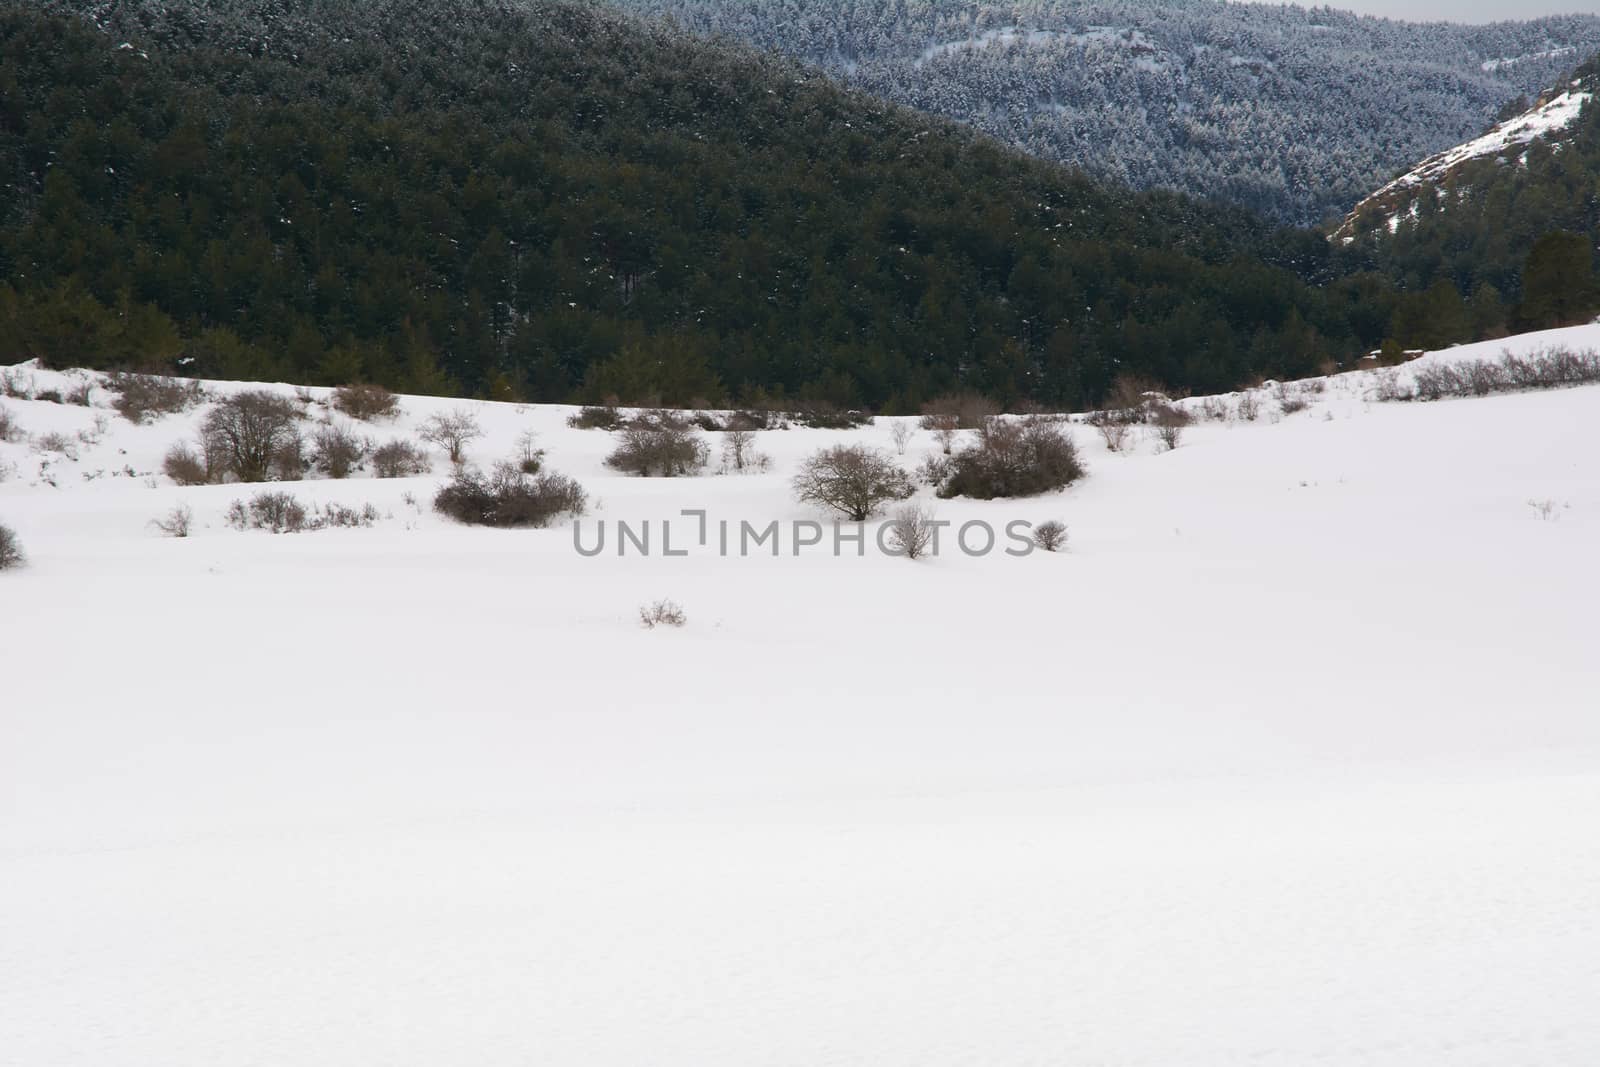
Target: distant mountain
556, 201
1498, 233
1293, 112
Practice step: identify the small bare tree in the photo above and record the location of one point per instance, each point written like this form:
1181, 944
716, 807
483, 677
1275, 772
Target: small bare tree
175, 523
452, 431
901, 433
739, 450
1169, 425
1050, 535
911, 529
244, 432
530, 457
853, 480
661, 445
1113, 427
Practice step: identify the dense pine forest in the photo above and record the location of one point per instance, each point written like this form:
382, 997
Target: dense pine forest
551, 201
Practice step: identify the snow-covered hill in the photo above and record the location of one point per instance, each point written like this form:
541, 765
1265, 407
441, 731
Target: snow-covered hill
1291, 757
1548, 122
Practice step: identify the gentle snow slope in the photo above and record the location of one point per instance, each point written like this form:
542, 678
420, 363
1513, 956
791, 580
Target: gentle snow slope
1292, 758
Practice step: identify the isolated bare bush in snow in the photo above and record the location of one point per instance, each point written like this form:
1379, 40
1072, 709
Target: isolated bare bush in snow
853, 480
366, 402
10, 549
901, 434
1050, 535
400, 459
661, 613
452, 431
739, 451
530, 457
10, 429
184, 465
596, 417
911, 529
1249, 407
508, 497
1015, 457
175, 523
339, 450
1113, 428
1545, 509
1169, 423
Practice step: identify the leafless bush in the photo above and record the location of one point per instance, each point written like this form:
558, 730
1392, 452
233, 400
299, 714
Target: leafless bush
1249, 406
184, 465
175, 523
1545, 509
1015, 458
1214, 408
48, 396
509, 498
1169, 423
10, 429
340, 450
58, 443
853, 480
659, 445
452, 432
399, 459
150, 396
246, 432
901, 434
1289, 400
596, 417
911, 529
1113, 428
10, 549
1550, 369
823, 416
81, 394
1051, 535
530, 457
289, 463
935, 470
332, 516
739, 451
661, 613
276, 511
366, 402
16, 383
1131, 394
970, 409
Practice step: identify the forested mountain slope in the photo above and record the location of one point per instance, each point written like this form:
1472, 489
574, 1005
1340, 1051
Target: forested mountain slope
1499, 234
1294, 112
550, 200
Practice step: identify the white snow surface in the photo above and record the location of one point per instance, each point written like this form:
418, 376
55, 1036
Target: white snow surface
1292, 757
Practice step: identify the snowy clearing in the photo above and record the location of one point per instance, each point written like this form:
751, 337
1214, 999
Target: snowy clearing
1292, 756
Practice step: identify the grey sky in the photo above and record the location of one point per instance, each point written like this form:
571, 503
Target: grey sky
1467, 10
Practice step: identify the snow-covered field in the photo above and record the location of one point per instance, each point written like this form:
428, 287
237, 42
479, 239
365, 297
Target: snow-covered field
1293, 757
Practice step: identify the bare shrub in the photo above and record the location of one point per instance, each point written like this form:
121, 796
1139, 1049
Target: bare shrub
245, 432
339, 451
10, 429
400, 459
1169, 423
366, 402
452, 432
16, 383
1113, 428
10, 549
141, 397
1214, 408
739, 451
901, 434
969, 409
277, 511
662, 445
944, 425
289, 463
509, 498
911, 530
596, 417
935, 470
175, 523
1130, 393
530, 457
1051, 535
824, 416
59, 443
1249, 406
1015, 458
1545, 509
184, 465
661, 613
81, 394
853, 480
332, 516
1290, 402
